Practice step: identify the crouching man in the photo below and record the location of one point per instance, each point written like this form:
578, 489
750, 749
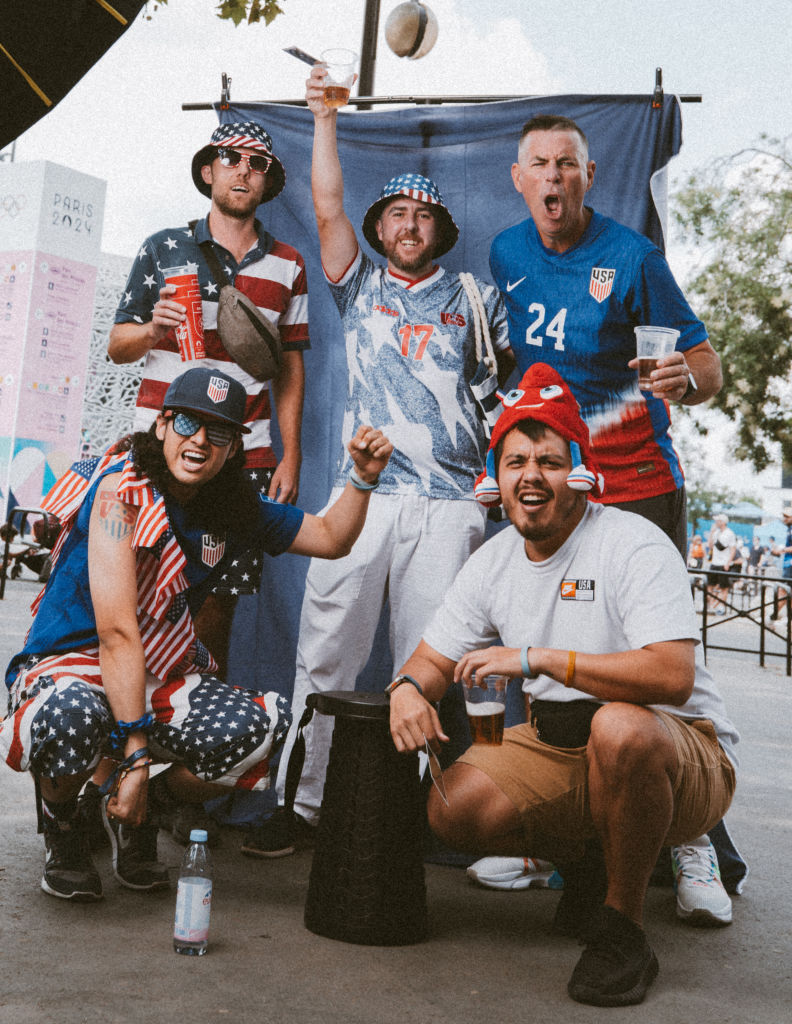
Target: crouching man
593, 607
112, 666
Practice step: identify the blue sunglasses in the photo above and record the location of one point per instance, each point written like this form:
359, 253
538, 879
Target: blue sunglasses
218, 434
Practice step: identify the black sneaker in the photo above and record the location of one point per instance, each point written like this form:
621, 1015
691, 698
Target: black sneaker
190, 816
280, 835
69, 872
617, 966
585, 885
89, 817
135, 863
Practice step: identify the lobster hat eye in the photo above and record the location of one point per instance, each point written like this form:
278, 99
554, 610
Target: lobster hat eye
542, 395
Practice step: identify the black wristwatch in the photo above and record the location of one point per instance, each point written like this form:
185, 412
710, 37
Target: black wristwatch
403, 679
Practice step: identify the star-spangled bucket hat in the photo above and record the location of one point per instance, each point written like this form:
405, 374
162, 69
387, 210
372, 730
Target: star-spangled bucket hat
544, 396
209, 391
414, 186
240, 135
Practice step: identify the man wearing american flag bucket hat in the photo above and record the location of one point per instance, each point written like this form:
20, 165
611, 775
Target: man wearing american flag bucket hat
238, 171
410, 330
112, 666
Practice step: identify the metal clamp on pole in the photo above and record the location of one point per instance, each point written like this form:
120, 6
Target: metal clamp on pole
225, 93
657, 95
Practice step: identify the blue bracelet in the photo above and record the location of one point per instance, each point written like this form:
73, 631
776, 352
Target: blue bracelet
359, 483
127, 764
526, 668
124, 729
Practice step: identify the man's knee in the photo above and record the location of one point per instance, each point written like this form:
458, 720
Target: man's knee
628, 736
476, 811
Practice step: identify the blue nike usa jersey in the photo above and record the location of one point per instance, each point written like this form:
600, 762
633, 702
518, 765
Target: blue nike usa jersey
576, 310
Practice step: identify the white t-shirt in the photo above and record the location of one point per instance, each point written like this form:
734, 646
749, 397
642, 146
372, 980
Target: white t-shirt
617, 584
722, 541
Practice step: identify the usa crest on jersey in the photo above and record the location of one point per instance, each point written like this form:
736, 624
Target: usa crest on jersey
212, 549
601, 283
217, 390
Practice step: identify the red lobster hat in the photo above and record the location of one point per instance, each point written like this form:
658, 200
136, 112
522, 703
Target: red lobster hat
542, 395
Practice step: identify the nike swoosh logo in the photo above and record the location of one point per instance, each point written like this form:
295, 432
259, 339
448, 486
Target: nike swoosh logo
511, 286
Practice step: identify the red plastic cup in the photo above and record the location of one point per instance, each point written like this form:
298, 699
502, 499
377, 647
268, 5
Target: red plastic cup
189, 333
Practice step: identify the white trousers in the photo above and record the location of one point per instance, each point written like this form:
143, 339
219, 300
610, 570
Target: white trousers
409, 551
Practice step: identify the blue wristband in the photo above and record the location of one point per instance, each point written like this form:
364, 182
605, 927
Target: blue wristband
361, 484
526, 668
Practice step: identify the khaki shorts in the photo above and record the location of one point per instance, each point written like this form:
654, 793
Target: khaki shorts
549, 785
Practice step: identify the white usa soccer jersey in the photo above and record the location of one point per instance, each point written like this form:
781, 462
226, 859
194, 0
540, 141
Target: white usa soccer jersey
576, 311
411, 356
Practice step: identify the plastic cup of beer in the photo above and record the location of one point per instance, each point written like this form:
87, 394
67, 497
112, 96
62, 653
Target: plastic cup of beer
486, 708
189, 333
652, 343
340, 76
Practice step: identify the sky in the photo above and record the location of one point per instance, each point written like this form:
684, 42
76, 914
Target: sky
124, 121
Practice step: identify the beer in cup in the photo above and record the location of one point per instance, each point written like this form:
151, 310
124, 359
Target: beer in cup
486, 708
652, 343
189, 333
340, 76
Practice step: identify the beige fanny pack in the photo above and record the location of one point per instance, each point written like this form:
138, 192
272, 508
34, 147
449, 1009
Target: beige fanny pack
249, 337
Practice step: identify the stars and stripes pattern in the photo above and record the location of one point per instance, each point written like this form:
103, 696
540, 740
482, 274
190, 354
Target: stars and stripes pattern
415, 186
62, 721
169, 640
242, 134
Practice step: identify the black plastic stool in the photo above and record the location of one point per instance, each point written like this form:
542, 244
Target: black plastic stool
367, 880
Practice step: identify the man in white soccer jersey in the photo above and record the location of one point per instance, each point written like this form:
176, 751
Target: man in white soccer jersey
410, 342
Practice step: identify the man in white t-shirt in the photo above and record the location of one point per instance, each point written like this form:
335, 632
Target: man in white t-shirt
722, 545
659, 764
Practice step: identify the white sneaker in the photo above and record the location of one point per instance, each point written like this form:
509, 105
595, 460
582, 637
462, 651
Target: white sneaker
514, 873
701, 898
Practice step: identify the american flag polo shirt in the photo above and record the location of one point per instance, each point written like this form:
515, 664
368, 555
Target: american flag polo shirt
271, 274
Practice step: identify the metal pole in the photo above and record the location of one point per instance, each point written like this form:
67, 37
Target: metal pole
368, 52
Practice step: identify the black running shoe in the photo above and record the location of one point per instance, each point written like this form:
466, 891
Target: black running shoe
89, 816
280, 835
135, 863
617, 966
69, 872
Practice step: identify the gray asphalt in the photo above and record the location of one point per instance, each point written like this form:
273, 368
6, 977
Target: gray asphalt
489, 955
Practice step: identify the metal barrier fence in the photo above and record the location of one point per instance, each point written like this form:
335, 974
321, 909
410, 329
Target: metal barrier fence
750, 600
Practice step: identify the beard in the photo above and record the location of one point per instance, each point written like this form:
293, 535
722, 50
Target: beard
238, 208
420, 261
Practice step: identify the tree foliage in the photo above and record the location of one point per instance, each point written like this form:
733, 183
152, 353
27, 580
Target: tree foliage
238, 11
738, 216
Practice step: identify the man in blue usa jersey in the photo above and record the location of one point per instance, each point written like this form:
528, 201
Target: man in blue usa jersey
575, 284
411, 352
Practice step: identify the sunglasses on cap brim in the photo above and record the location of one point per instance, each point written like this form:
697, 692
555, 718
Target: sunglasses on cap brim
220, 435
257, 162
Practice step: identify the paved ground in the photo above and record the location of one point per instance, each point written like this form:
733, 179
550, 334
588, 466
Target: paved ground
489, 955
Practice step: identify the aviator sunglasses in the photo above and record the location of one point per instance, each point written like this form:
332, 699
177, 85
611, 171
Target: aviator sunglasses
220, 435
257, 163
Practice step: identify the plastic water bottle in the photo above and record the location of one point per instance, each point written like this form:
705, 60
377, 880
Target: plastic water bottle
194, 897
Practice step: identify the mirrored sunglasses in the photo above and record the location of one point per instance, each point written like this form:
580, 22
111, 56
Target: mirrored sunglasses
257, 163
218, 434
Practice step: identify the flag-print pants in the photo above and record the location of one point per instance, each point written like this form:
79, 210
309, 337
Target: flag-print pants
59, 723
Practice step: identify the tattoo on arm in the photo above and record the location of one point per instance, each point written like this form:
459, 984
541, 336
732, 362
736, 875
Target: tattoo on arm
116, 518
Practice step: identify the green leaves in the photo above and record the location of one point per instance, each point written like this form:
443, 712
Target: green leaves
737, 215
237, 11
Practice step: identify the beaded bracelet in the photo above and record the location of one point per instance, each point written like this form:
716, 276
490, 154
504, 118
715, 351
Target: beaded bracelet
359, 483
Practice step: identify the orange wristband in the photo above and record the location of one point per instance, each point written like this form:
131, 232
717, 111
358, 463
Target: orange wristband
570, 675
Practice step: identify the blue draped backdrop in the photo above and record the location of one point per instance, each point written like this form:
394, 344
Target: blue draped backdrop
468, 150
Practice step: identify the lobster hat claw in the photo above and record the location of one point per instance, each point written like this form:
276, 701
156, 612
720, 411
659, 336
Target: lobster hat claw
240, 135
543, 395
414, 186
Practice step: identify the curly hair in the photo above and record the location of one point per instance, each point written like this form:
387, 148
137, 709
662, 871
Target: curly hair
228, 501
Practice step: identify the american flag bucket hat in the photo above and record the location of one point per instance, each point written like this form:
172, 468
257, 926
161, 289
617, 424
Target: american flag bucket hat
414, 186
240, 135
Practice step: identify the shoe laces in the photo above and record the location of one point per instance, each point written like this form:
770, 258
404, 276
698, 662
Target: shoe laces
697, 863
